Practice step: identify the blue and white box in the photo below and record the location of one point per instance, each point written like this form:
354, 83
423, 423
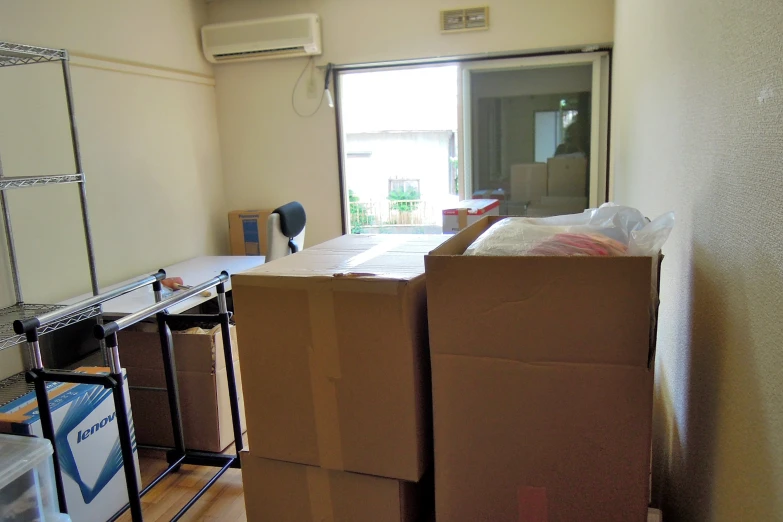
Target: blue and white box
88, 444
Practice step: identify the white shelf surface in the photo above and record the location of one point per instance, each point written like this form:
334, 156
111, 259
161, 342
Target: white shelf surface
192, 272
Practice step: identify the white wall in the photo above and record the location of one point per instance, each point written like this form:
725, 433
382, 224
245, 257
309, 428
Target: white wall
399, 155
149, 140
698, 128
271, 156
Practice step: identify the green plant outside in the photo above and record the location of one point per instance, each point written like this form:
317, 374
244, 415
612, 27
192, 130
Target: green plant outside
404, 200
359, 216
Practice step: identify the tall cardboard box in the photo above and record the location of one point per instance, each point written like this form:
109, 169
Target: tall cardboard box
567, 177
335, 338
202, 383
247, 232
278, 491
542, 388
85, 425
528, 182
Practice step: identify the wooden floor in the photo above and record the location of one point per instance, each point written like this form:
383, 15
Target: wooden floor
223, 502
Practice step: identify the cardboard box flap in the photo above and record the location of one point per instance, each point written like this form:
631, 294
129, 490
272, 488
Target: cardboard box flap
392, 257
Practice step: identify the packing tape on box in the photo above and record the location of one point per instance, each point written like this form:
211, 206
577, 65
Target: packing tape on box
324, 360
462, 218
320, 493
369, 282
533, 504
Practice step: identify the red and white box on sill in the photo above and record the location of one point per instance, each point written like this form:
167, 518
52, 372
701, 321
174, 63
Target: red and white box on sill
468, 212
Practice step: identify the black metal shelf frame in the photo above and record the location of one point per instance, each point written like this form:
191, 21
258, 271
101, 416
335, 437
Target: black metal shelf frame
177, 456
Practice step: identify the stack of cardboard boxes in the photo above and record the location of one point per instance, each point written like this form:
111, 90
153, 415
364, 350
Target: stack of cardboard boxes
334, 347
558, 186
542, 373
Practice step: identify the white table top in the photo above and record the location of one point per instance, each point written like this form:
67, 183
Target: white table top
192, 272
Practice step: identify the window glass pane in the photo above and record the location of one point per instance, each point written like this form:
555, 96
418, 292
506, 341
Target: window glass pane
531, 138
399, 133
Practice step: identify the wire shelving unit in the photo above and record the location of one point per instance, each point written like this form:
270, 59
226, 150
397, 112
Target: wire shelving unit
13, 54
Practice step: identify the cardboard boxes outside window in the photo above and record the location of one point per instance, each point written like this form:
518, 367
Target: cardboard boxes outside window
336, 340
247, 232
542, 386
558, 186
202, 383
566, 177
528, 182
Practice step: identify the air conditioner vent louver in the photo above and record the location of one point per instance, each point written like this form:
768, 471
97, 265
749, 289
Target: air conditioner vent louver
286, 50
470, 19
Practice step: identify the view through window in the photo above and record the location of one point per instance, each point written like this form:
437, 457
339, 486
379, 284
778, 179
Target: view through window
519, 132
399, 137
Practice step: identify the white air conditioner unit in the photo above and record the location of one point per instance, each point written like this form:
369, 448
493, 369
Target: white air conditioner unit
283, 37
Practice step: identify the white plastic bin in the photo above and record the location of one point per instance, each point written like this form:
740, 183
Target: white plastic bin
27, 491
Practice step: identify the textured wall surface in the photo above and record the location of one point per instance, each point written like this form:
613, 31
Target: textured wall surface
698, 128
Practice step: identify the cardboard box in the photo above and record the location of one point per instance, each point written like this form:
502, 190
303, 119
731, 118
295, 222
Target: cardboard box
542, 393
467, 212
335, 338
577, 203
567, 177
87, 444
247, 232
554, 209
528, 182
202, 382
556, 206
278, 491
515, 208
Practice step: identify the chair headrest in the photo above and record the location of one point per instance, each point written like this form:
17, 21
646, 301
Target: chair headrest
292, 218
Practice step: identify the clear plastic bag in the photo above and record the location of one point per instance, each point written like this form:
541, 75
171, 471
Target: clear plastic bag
610, 230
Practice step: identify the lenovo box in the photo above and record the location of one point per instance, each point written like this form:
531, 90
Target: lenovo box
467, 212
335, 338
247, 232
528, 182
284, 492
567, 177
202, 381
542, 384
88, 444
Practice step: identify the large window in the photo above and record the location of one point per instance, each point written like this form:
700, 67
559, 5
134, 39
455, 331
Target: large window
530, 132
405, 120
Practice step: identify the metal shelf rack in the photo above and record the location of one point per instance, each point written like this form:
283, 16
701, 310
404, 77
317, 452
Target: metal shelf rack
39, 377
13, 54
20, 54
23, 311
